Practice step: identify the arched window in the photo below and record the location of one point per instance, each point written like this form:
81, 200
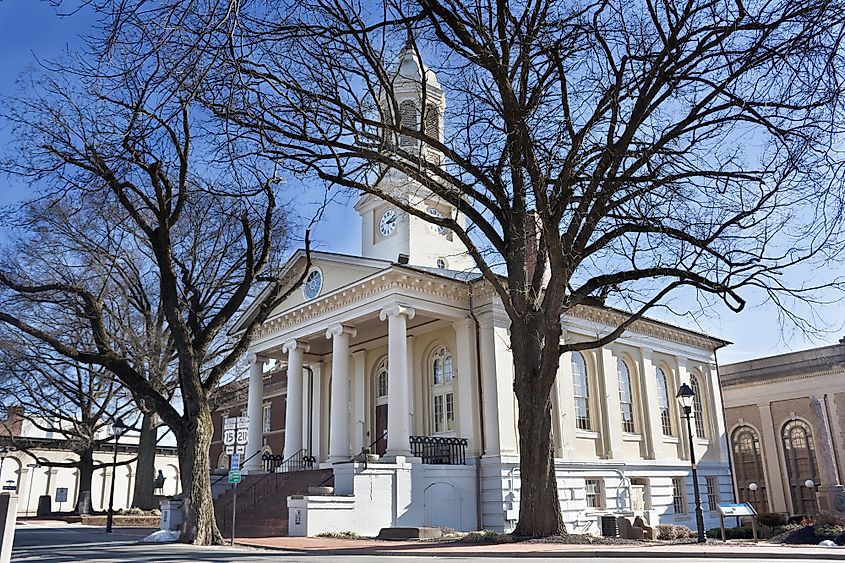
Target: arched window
581, 391
697, 406
663, 400
408, 118
442, 397
748, 467
626, 396
381, 382
432, 122
800, 456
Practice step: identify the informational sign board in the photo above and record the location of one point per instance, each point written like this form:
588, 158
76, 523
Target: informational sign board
235, 464
234, 477
9, 486
235, 432
734, 509
61, 494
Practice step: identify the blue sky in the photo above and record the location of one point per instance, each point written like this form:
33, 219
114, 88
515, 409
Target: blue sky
31, 30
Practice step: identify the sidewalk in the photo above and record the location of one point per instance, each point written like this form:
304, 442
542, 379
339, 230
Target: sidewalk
332, 546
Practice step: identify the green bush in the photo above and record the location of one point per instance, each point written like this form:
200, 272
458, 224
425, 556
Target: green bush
738, 533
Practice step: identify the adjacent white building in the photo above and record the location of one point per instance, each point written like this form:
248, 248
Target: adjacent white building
405, 340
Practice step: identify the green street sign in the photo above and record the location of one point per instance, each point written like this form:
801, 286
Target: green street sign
234, 476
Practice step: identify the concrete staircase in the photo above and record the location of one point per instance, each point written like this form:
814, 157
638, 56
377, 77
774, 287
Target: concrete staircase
262, 507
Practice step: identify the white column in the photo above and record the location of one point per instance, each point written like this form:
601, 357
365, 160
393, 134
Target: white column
613, 413
359, 389
398, 417
489, 387
567, 424
339, 438
467, 396
413, 394
653, 424
293, 400
717, 411
255, 411
315, 412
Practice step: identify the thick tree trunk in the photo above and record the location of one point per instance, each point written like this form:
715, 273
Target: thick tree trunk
143, 496
534, 372
86, 476
199, 526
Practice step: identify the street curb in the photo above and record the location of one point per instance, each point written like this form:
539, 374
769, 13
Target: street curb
837, 555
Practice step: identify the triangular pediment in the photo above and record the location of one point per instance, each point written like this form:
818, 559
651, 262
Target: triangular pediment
336, 271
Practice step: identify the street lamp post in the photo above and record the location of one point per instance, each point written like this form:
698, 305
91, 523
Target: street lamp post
32, 467
685, 396
118, 428
4, 451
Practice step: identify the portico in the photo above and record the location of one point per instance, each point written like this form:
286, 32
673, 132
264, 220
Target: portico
337, 349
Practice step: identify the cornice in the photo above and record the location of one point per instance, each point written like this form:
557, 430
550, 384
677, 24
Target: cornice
439, 289
768, 381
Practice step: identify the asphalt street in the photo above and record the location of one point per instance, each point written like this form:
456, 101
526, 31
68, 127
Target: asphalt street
60, 544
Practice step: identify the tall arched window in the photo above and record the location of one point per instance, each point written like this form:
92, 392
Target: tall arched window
581, 391
697, 406
442, 397
626, 396
408, 117
663, 400
381, 382
748, 467
432, 122
800, 456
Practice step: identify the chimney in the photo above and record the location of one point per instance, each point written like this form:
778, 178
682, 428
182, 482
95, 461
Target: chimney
14, 420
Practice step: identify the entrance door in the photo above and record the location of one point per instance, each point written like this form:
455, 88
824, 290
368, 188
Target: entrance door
381, 428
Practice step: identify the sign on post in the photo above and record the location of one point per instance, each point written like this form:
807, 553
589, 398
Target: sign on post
61, 494
738, 510
235, 464
235, 434
235, 477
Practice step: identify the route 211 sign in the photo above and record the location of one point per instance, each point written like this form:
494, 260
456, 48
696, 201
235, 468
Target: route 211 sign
235, 432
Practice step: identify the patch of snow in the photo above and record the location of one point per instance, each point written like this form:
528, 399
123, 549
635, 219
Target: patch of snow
162, 536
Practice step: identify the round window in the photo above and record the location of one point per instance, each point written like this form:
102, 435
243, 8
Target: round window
442, 264
313, 284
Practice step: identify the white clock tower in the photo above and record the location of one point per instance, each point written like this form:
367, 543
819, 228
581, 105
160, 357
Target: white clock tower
388, 231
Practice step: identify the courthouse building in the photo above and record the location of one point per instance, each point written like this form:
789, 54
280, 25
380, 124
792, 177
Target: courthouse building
775, 431
404, 350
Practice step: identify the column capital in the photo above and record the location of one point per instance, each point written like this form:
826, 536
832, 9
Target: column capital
253, 358
337, 329
293, 344
646, 353
359, 354
397, 309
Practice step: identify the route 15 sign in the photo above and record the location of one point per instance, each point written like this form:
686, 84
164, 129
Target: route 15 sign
235, 432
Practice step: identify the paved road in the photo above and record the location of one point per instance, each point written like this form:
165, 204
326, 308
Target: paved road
61, 544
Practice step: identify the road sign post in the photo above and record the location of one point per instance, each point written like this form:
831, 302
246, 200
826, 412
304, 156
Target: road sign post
235, 433
61, 496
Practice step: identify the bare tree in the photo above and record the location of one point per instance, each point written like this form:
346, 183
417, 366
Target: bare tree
608, 151
209, 229
74, 403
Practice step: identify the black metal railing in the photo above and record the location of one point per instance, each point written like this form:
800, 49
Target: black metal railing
268, 484
439, 450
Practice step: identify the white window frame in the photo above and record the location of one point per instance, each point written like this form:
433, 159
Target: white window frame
441, 390
581, 392
598, 493
267, 418
679, 496
664, 402
626, 396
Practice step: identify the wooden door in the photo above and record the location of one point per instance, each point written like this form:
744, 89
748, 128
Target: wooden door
381, 428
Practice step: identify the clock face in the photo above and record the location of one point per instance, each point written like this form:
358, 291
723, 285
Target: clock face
439, 229
387, 223
313, 284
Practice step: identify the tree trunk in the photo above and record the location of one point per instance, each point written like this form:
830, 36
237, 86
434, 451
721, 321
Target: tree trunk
535, 370
86, 476
142, 496
199, 526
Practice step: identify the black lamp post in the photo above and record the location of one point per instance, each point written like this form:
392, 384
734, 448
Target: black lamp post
4, 451
685, 396
118, 428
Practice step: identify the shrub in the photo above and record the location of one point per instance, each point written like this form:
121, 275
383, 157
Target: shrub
771, 519
673, 532
738, 533
347, 535
829, 519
